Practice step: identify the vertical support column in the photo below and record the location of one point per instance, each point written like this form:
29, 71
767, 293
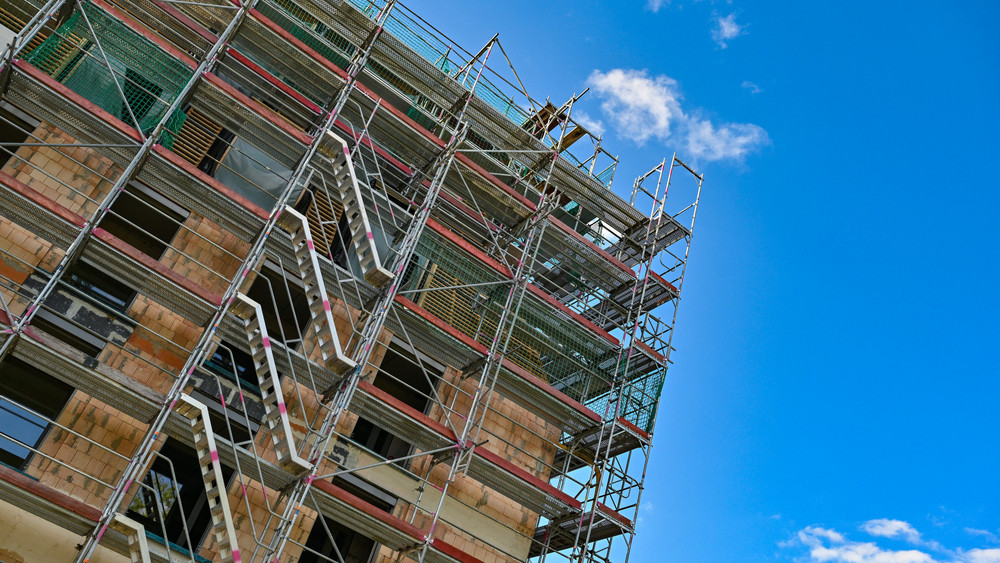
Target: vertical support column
135, 534
275, 413
211, 474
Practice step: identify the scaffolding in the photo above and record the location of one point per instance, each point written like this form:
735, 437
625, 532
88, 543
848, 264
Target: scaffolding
379, 290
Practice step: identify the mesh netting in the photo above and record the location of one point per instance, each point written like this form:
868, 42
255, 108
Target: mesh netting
307, 29
149, 78
639, 400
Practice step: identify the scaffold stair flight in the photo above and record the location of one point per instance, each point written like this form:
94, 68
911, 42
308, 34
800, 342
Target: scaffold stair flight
211, 473
275, 413
322, 326
346, 187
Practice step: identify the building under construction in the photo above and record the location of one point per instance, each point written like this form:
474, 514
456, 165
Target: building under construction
303, 280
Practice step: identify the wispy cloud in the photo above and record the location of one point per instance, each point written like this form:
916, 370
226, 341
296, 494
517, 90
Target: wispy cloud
886, 528
988, 535
825, 545
726, 29
595, 126
754, 89
655, 5
641, 107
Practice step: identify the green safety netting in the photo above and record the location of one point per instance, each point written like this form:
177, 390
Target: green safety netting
149, 78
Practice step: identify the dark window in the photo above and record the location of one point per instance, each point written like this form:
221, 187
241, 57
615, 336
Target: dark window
15, 128
286, 309
28, 400
401, 377
216, 152
350, 545
68, 332
342, 243
172, 502
99, 286
233, 364
144, 219
330, 538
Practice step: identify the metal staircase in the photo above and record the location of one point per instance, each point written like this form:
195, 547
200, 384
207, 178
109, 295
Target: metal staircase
211, 472
275, 413
347, 189
322, 327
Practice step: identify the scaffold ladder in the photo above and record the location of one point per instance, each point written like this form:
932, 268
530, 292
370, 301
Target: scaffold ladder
362, 238
275, 413
135, 534
322, 327
211, 473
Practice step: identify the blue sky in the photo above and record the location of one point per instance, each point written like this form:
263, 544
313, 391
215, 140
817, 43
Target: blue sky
834, 394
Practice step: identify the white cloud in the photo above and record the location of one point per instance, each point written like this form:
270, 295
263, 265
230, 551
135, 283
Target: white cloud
726, 29
830, 546
641, 107
883, 527
655, 5
754, 89
982, 556
731, 140
594, 126
825, 545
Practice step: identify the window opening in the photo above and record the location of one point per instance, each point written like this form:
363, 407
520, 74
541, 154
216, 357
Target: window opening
29, 398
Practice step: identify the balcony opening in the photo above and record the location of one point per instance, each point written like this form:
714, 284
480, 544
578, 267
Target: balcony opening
400, 376
144, 219
331, 538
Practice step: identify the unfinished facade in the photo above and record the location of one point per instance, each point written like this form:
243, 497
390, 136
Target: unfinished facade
301, 280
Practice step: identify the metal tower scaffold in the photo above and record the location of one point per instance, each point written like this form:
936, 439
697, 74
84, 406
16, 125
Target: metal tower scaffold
292, 280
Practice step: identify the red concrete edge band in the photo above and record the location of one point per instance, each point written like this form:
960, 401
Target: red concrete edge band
188, 22
280, 31
642, 433
409, 122
158, 267
75, 98
41, 200
176, 160
664, 282
381, 152
523, 475
537, 382
468, 211
494, 180
645, 348
453, 552
273, 80
612, 514
258, 108
369, 509
576, 316
467, 246
138, 28
441, 325
407, 410
603, 253
44, 492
